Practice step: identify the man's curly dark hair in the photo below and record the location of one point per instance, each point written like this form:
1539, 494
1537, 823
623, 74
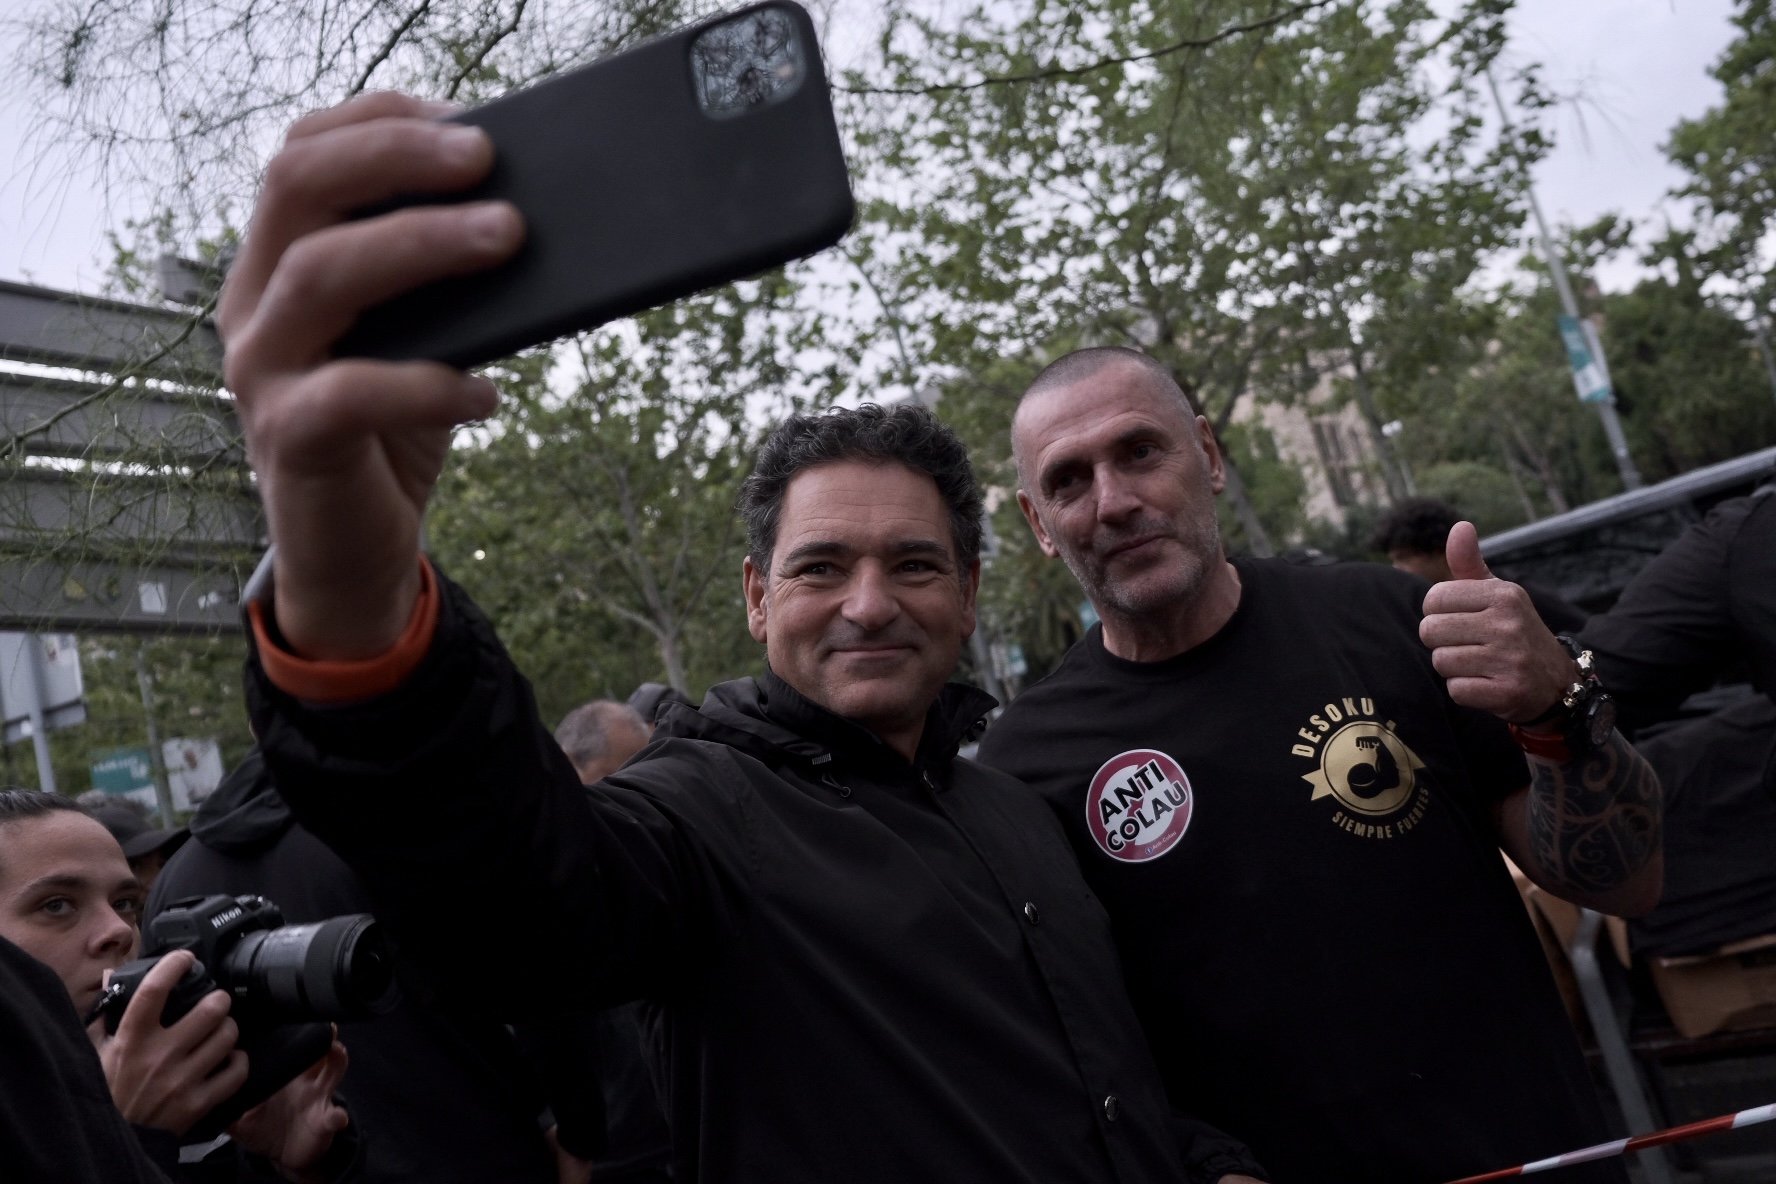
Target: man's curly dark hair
905, 434
1418, 524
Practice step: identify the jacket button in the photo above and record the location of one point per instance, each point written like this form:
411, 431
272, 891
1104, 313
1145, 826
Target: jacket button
1030, 913
1112, 1108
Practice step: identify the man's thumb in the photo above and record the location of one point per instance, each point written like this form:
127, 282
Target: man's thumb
1463, 553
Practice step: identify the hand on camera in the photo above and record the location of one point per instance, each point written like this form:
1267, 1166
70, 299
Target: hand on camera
569, 1168
169, 1077
295, 1126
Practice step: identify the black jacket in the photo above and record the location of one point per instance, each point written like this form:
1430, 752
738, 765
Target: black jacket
57, 1120
857, 968
442, 1097
1703, 610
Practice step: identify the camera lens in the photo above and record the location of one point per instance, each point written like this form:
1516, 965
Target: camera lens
749, 61
337, 969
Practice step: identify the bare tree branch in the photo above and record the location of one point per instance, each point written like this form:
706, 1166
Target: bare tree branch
474, 63
1059, 72
389, 45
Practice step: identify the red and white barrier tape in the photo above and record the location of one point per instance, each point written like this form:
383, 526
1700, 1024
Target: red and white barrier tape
1673, 1134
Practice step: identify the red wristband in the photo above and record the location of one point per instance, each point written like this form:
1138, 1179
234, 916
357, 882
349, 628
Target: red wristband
1550, 746
342, 682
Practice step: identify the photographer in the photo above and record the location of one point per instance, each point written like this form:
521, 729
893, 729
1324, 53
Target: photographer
68, 899
448, 1091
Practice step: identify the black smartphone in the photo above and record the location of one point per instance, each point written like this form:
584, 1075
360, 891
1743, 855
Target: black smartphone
698, 158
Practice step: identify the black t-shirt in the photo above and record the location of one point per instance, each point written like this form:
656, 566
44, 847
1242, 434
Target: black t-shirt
1292, 827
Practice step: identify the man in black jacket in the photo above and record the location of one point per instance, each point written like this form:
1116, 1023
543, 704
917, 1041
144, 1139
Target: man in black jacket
864, 958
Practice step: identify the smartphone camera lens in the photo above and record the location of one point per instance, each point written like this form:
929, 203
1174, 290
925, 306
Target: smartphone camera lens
747, 62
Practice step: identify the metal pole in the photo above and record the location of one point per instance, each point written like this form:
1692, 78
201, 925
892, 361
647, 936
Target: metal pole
1763, 343
31, 653
1618, 1060
163, 794
1606, 410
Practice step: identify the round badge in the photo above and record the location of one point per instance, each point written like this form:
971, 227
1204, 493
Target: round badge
1139, 805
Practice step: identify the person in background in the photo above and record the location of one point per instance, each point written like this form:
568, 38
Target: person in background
447, 1094
1702, 613
650, 698
1703, 610
631, 1143
70, 902
146, 846
600, 735
1289, 786
1414, 534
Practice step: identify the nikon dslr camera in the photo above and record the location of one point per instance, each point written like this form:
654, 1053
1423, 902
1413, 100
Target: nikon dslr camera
287, 982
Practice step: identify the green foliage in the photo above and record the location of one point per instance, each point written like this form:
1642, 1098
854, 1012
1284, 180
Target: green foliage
1509, 403
1485, 494
1729, 153
1691, 388
1274, 487
196, 689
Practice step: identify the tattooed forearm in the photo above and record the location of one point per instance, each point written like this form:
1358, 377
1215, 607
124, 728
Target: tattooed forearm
1596, 822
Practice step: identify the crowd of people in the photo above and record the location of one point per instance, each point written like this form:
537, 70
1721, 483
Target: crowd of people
1221, 899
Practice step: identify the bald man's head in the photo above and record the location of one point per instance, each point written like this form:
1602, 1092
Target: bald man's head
599, 736
1073, 368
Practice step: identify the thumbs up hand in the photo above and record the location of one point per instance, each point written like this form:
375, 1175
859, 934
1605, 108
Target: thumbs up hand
1487, 641
1462, 551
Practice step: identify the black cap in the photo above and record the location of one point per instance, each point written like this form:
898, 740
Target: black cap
134, 834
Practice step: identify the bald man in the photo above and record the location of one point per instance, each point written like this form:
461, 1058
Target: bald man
1289, 786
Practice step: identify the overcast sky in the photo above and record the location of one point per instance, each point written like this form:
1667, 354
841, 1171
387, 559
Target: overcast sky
1638, 65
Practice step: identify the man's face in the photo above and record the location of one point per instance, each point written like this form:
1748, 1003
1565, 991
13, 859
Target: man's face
1120, 482
67, 898
866, 605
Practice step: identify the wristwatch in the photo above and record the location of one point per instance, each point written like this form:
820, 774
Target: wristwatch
1588, 711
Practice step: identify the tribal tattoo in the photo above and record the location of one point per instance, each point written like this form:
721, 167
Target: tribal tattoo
1596, 821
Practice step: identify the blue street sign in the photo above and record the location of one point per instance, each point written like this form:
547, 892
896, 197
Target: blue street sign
1590, 379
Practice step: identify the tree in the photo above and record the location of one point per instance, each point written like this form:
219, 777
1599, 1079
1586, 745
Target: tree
197, 694
1729, 153
1685, 371
1058, 210
1233, 210
181, 98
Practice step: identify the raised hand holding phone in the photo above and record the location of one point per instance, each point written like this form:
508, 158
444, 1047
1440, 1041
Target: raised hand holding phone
347, 450
693, 160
